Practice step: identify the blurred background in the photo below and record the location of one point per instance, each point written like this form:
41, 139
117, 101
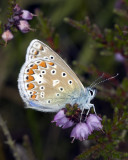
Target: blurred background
36, 138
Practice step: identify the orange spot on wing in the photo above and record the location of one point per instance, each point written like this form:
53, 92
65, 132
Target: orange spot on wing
43, 64
41, 48
34, 92
33, 96
30, 86
30, 78
51, 63
35, 67
36, 52
30, 72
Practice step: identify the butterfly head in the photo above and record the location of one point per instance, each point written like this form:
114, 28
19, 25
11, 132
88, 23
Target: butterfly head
84, 100
86, 97
91, 92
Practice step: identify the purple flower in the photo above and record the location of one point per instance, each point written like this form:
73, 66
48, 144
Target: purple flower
94, 122
81, 131
118, 4
16, 18
84, 126
24, 26
62, 121
119, 57
17, 8
26, 15
7, 36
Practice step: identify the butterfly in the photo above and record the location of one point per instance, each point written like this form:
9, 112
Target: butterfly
46, 83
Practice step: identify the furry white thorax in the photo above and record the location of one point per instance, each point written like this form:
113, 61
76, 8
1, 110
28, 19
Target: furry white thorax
84, 100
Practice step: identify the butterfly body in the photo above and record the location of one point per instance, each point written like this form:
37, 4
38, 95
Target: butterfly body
46, 83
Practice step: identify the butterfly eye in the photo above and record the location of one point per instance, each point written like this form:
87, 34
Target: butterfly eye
70, 82
61, 89
43, 72
53, 71
51, 57
63, 74
91, 92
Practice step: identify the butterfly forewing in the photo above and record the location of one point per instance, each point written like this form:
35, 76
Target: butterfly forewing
46, 85
38, 49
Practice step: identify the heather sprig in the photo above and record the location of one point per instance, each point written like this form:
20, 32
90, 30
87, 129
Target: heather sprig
82, 126
18, 20
112, 40
103, 50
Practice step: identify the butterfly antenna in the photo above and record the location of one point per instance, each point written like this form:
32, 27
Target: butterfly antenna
105, 80
93, 83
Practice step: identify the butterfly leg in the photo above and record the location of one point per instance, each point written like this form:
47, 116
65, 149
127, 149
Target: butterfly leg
92, 105
88, 112
81, 114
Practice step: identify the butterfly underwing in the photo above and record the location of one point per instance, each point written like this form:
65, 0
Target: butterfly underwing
46, 83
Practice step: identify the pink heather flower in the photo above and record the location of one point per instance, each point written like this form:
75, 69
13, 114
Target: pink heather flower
16, 18
24, 26
118, 4
26, 15
62, 121
119, 57
81, 131
7, 36
17, 8
93, 122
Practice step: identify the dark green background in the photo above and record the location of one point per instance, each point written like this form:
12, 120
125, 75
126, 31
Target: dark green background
47, 141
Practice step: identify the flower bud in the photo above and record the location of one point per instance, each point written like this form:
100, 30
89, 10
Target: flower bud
26, 15
7, 36
62, 121
94, 122
119, 57
24, 26
16, 18
81, 131
17, 8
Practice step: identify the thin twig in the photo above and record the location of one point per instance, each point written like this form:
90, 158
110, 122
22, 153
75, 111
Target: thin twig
10, 141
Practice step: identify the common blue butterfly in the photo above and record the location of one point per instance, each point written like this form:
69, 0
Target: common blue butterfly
46, 83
